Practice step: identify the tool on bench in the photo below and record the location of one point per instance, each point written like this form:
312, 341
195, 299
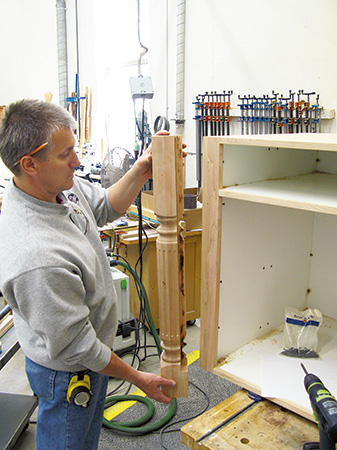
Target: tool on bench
324, 406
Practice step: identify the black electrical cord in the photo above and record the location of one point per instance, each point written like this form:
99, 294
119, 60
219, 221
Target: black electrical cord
163, 423
145, 49
163, 430
145, 315
134, 427
134, 357
144, 312
147, 309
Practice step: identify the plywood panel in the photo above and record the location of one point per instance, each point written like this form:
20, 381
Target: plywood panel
211, 251
310, 192
265, 266
323, 277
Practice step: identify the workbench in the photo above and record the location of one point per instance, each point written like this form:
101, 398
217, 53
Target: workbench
15, 409
241, 422
128, 249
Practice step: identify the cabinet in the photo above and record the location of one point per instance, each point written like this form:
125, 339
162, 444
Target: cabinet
269, 241
130, 251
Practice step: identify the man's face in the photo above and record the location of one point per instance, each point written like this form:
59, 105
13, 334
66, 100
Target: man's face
56, 173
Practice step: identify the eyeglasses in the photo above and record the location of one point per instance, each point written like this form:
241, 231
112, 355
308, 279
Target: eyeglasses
32, 153
78, 218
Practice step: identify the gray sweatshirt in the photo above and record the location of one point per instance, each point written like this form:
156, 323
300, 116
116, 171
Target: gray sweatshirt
55, 275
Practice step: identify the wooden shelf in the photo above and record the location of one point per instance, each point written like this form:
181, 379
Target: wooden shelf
312, 192
307, 141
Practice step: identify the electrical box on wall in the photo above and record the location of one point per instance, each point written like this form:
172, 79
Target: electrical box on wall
141, 87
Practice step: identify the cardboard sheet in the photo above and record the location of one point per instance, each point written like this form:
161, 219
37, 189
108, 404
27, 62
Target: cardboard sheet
283, 377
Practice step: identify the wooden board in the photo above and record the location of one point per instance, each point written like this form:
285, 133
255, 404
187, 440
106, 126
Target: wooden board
211, 255
312, 192
309, 141
260, 425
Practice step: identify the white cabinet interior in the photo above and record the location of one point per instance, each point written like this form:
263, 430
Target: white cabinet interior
269, 241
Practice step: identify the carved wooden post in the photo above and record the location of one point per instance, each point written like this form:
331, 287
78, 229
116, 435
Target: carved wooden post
168, 181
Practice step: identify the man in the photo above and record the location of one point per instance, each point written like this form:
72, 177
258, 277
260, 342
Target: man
55, 275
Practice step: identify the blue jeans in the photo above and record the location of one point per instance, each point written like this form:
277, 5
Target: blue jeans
61, 425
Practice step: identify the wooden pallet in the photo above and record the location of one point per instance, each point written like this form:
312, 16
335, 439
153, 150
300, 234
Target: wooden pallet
241, 423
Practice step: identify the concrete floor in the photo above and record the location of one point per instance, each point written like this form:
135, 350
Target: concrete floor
13, 379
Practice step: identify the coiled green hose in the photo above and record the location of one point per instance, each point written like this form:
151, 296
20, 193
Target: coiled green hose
133, 426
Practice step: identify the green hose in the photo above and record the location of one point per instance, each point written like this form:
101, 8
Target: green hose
131, 423
133, 427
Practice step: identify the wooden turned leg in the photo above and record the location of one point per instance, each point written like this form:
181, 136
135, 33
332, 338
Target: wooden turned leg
168, 206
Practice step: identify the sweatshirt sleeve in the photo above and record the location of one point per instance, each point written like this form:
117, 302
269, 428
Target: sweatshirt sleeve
58, 318
97, 198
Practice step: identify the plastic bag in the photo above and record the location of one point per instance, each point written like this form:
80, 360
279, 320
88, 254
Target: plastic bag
300, 332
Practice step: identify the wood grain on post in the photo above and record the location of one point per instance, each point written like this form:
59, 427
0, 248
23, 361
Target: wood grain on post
168, 181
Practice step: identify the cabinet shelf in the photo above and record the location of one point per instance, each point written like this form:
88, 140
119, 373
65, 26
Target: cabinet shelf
312, 192
307, 141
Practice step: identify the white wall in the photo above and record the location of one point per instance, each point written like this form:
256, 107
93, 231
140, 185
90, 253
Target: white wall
28, 53
28, 50
250, 47
254, 47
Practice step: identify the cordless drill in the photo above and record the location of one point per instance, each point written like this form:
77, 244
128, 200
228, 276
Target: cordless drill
324, 406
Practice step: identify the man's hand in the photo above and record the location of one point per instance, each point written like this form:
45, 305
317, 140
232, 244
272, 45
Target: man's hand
143, 165
151, 385
122, 193
147, 382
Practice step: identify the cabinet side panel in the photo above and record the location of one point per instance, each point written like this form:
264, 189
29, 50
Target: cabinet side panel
323, 279
210, 259
265, 265
327, 162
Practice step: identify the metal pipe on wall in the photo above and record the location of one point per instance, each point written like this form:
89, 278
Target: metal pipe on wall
166, 59
62, 53
180, 69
